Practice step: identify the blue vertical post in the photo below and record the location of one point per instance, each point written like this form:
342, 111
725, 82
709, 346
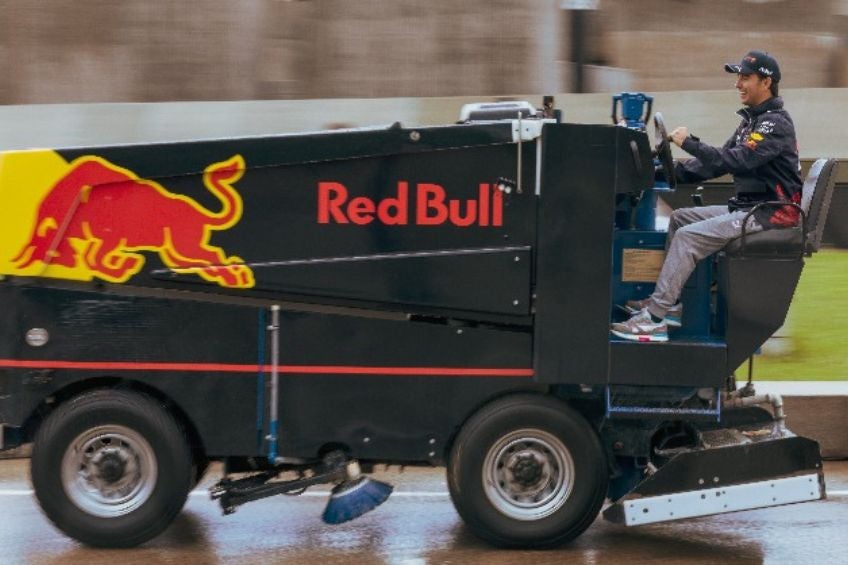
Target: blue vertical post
274, 328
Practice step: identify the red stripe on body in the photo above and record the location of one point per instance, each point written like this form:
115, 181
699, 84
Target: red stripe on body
287, 369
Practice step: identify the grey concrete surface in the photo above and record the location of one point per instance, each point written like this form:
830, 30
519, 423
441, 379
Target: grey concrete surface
819, 115
418, 525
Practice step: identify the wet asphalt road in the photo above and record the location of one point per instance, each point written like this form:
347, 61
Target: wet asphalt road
419, 525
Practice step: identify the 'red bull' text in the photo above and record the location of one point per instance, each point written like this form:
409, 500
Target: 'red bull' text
432, 207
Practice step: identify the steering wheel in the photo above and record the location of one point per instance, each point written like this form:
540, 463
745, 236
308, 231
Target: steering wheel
662, 150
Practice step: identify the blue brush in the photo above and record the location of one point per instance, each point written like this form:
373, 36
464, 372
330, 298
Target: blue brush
354, 497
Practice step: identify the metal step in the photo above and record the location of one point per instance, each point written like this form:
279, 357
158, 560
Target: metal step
651, 406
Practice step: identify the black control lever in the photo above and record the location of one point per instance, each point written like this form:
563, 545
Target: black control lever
698, 196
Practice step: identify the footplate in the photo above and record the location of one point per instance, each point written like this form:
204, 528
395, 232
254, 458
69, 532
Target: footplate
731, 470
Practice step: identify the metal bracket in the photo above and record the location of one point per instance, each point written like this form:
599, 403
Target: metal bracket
528, 129
234, 493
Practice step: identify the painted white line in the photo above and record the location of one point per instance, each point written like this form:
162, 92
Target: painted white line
422, 494
16, 492
402, 494
411, 494
440, 494
325, 493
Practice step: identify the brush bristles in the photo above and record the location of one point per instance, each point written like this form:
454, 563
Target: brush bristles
352, 499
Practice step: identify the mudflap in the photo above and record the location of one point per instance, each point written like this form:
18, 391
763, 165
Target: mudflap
731, 469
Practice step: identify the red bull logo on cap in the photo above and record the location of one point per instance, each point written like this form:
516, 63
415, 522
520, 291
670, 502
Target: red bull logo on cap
94, 219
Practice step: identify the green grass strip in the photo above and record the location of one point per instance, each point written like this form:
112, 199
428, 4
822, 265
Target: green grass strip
813, 343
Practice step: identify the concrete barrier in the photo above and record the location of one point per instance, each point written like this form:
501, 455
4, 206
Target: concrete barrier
817, 410
818, 113
17, 453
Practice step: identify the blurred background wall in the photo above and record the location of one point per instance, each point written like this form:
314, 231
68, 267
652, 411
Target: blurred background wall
156, 50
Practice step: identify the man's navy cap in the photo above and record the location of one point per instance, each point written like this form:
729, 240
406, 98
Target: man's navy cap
757, 62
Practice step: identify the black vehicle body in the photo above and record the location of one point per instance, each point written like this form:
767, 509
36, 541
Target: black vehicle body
421, 273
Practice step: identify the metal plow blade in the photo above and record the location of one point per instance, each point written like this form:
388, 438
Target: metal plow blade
731, 470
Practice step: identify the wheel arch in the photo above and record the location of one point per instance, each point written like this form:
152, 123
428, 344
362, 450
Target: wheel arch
547, 392
106, 382
451, 440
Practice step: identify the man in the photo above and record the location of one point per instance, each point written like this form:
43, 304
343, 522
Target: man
762, 156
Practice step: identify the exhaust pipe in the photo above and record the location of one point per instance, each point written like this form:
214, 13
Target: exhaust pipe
733, 400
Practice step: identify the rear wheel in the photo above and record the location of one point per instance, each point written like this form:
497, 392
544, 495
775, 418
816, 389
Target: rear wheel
527, 471
111, 468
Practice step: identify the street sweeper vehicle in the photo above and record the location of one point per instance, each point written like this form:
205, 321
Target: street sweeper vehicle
305, 307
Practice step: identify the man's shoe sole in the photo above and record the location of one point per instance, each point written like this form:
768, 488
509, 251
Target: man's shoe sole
641, 338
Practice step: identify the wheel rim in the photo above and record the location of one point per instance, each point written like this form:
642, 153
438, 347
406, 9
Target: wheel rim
109, 471
528, 474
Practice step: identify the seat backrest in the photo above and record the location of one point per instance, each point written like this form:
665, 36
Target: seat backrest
817, 194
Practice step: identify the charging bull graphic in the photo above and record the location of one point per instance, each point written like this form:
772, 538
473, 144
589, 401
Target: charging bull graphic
99, 217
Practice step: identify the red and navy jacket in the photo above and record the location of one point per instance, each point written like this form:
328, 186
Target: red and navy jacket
762, 156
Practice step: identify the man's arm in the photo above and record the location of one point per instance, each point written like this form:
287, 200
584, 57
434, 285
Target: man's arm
691, 171
755, 150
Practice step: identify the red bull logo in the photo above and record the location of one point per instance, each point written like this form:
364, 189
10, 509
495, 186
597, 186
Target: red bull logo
432, 207
98, 218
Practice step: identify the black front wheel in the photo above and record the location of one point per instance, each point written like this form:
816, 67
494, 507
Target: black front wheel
111, 468
527, 471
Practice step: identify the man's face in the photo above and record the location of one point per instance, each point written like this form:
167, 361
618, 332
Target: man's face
753, 89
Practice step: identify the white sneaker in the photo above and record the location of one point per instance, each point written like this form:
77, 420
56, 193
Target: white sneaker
640, 327
673, 317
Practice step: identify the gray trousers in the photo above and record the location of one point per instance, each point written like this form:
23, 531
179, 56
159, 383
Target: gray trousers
693, 233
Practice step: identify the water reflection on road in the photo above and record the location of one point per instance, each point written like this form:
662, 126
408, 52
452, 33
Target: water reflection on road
419, 525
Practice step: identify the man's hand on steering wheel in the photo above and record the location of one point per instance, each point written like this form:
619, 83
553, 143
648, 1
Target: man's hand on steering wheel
679, 135
662, 150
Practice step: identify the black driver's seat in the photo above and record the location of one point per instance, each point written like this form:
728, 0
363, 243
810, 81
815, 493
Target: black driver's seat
804, 239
